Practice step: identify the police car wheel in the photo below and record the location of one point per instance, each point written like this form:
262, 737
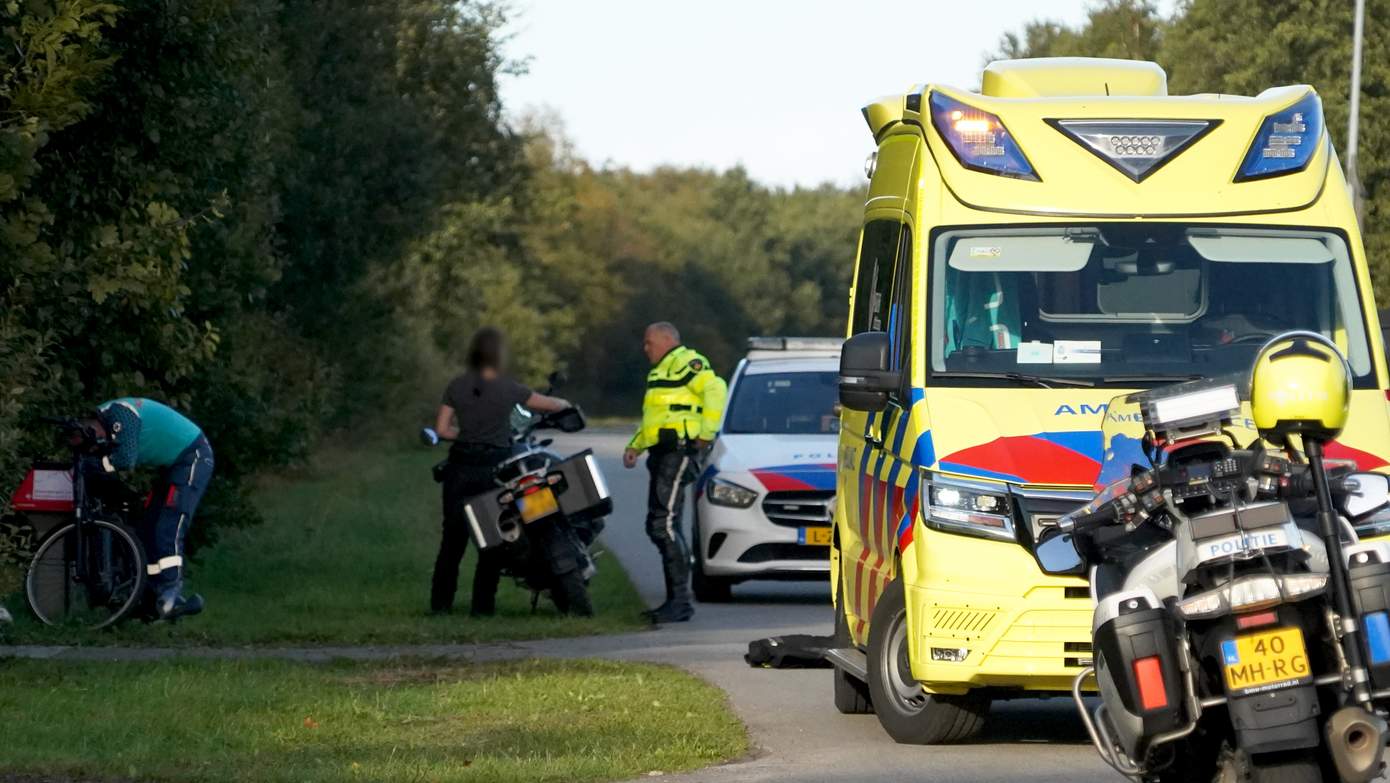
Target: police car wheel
851, 695
908, 713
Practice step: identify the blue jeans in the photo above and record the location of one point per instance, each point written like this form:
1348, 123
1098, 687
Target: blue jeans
177, 492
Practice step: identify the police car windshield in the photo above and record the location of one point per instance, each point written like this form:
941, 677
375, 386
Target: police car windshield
1134, 304
784, 403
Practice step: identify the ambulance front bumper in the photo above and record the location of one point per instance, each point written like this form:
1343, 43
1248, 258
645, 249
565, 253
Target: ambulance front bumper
983, 615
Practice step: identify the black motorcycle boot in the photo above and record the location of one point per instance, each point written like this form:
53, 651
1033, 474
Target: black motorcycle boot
678, 610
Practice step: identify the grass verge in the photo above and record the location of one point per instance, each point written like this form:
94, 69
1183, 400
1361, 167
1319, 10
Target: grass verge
345, 557
404, 721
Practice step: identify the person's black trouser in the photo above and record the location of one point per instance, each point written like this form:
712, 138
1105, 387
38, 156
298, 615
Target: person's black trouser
174, 499
671, 468
466, 475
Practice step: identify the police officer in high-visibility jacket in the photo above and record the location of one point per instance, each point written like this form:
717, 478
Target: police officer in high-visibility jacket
680, 415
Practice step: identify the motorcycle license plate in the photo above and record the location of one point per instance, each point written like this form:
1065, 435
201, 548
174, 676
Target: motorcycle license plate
1265, 661
537, 505
815, 536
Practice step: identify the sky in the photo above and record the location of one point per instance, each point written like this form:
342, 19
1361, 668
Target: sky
773, 85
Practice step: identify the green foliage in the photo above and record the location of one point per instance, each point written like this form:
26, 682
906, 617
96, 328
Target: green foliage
1123, 29
287, 216
195, 193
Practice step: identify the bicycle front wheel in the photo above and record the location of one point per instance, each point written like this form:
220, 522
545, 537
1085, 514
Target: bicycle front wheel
89, 579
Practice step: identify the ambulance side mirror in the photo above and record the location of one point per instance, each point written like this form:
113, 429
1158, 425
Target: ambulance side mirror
865, 377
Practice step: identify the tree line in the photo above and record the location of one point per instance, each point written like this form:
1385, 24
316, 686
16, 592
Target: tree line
286, 217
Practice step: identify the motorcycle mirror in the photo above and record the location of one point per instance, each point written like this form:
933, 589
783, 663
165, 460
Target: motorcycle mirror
1371, 492
1057, 555
557, 378
429, 437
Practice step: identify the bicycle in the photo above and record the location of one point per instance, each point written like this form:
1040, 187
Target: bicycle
88, 569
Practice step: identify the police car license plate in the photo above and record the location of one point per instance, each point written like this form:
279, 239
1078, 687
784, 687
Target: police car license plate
815, 536
537, 505
1241, 544
1265, 661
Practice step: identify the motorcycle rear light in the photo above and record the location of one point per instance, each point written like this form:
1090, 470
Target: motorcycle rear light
1148, 673
1245, 621
1377, 627
1251, 593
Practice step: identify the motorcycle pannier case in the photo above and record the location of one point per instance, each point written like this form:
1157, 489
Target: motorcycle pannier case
582, 490
1136, 639
1370, 591
489, 522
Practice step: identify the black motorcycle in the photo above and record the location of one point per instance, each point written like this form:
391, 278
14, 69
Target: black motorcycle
544, 514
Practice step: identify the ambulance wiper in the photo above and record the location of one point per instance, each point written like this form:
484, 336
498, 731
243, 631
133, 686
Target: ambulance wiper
1158, 378
1018, 377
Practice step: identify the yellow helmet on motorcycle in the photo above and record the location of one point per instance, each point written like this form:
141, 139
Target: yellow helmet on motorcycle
1300, 384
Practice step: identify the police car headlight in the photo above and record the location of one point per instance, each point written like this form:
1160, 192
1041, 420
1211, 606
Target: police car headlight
727, 493
970, 510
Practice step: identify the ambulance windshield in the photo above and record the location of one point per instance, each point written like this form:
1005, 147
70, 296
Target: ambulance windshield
1134, 304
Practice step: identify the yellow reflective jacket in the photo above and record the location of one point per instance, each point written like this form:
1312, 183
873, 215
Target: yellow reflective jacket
683, 395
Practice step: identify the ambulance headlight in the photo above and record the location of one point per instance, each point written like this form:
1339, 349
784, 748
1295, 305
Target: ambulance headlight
957, 508
727, 493
1286, 142
979, 139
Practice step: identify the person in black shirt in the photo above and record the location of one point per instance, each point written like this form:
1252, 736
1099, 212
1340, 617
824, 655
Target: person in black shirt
475, 413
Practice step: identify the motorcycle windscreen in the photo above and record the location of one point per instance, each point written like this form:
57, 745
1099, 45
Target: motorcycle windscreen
1129, 417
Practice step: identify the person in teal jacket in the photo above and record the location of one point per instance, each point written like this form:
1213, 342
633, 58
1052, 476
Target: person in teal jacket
147, 433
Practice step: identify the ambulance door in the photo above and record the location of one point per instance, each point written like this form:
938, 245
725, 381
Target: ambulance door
866, 544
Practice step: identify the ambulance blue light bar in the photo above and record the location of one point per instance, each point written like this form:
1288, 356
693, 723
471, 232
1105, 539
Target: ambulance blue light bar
979, 139
795, 343
1286, 142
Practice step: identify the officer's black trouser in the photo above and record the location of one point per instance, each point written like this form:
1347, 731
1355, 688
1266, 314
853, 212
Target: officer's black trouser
671, 468
466, 475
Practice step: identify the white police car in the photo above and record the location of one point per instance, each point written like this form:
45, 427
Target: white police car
765, 497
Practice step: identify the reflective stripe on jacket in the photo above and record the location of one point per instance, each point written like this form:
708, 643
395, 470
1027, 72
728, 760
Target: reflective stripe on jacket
684, 396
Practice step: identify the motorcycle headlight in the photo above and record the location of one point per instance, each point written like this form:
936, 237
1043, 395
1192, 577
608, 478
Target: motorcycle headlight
970, 510
727, 493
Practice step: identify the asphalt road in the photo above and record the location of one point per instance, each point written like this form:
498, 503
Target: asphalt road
797, 734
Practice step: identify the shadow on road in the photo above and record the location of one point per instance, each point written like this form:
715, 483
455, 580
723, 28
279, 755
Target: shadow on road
1051, 721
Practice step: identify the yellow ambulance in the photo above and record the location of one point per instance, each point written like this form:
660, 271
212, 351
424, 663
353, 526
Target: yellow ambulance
1029, 251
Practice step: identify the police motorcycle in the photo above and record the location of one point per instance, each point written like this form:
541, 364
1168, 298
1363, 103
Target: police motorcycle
545, 512
1240, 629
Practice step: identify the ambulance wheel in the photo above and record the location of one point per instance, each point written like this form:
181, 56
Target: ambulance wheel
851, 695
907, 712
708, 589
